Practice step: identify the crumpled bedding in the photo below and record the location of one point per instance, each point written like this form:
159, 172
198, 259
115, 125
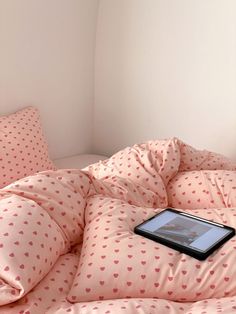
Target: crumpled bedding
67, 243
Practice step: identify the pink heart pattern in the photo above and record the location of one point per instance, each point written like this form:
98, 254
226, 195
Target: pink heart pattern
33, 233
23, 147
144, 268
49, 214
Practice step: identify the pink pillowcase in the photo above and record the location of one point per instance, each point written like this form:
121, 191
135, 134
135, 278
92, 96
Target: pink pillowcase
23, 149
202, 189
115, 263
30, 244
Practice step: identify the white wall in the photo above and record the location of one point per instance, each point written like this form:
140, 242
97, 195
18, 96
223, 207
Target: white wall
166, 68
47, 60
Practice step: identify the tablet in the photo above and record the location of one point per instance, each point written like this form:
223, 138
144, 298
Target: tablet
186, 233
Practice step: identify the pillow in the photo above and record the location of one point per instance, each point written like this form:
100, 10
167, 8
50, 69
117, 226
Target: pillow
115, 263
202, 189
30, 244
23, 149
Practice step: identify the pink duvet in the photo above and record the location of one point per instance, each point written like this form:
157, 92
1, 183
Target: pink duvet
67, 243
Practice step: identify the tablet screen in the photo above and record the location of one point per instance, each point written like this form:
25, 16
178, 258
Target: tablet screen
181, 228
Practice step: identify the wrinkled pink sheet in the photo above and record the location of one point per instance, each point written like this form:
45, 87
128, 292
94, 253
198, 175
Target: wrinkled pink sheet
43, 218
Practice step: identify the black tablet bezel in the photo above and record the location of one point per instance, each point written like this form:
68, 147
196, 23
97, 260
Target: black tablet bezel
181, 248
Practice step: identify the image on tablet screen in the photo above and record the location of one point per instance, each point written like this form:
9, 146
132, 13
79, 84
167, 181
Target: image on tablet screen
182, 230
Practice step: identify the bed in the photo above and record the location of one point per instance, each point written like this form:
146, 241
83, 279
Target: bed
67, 242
